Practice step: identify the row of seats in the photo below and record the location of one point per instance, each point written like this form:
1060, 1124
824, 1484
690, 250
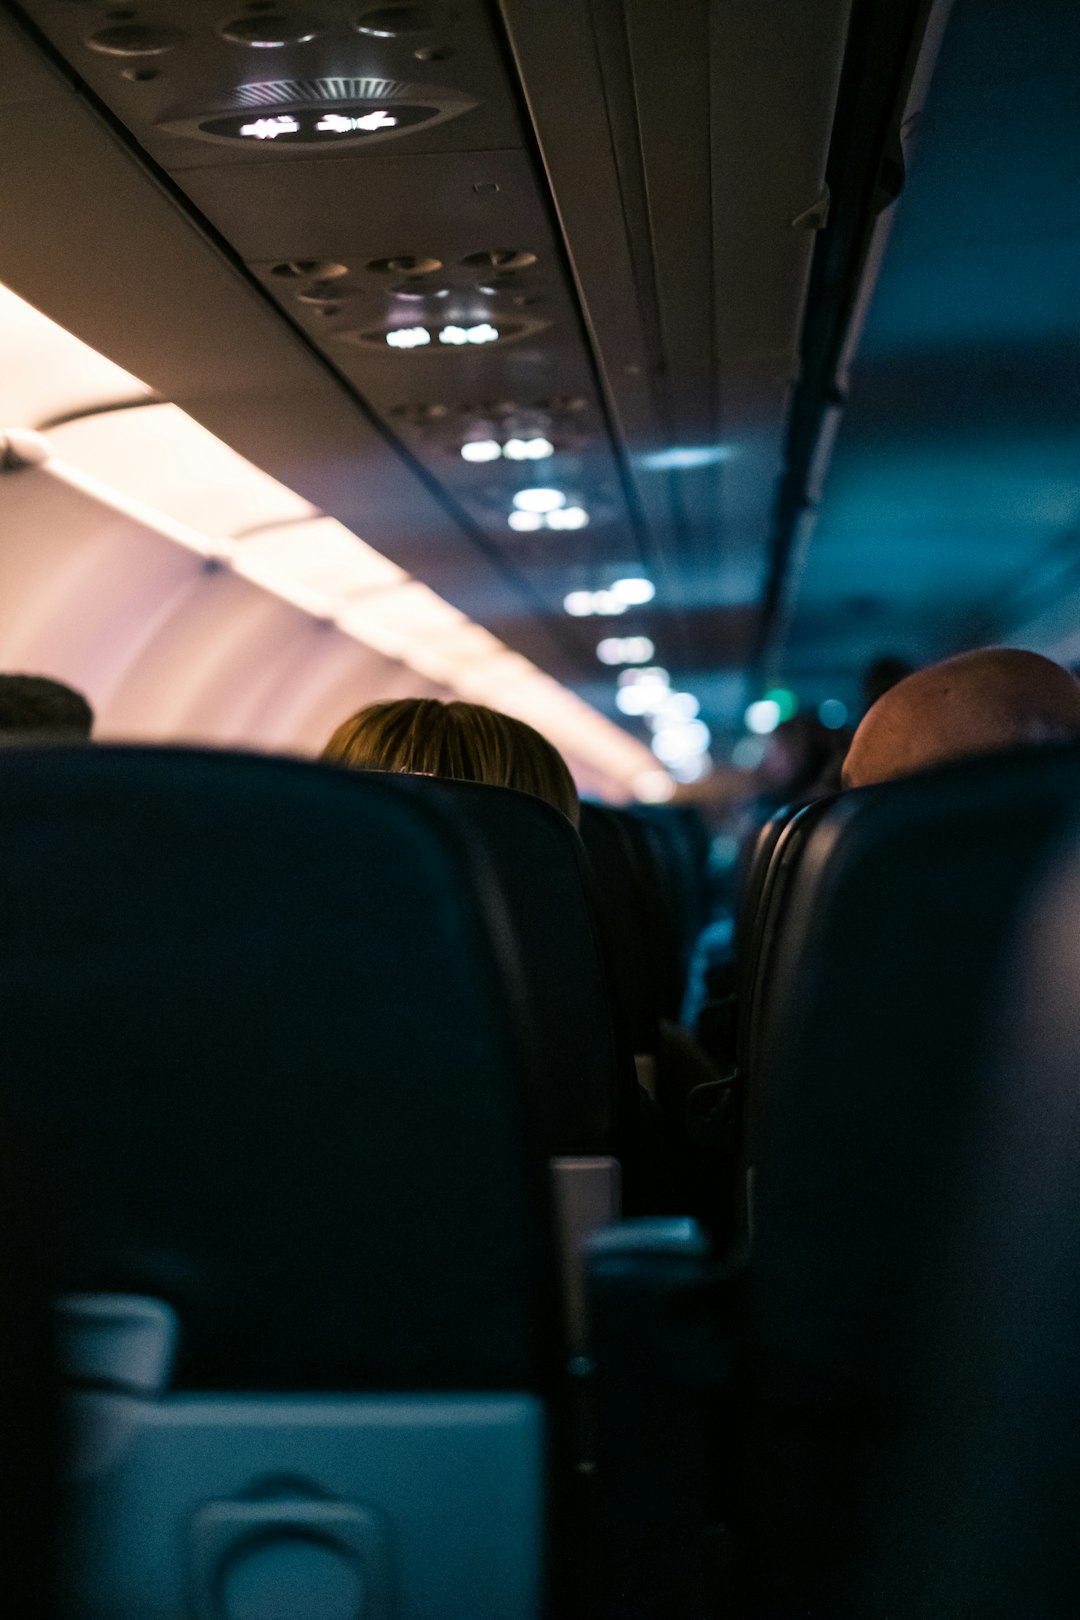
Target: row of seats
294, 1048
907, 1168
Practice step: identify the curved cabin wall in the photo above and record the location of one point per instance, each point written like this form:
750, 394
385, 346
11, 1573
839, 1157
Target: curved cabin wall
171, 645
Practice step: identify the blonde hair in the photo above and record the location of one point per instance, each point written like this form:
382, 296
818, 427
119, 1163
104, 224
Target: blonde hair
465, 741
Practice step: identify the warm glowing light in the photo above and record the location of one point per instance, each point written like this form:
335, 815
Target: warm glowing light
157, 467
525, 522
634, 592
568, 517
539, 500
481, 450
833, 714
763, 716
408, 337
653, 787
268, 129
625, 650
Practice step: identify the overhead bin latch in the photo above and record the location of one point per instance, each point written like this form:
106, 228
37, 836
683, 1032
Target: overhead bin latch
816, 217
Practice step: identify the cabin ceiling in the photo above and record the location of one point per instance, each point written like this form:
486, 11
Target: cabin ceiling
631, 196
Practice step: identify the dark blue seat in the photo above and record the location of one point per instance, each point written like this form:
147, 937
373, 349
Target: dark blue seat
266, 1019
883, 970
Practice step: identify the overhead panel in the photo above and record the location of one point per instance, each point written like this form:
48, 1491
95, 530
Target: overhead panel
367, 165
686, 146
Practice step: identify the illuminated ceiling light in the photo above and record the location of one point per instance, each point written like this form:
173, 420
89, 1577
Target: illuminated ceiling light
681, 706
632, 700
607, 604
692, 769
673, 745
682, 459
537, 449
343, 124
653, 787
484, 333
525, 522
833, 714
654, 676
785, 700
763, 716
268, 129
579, 604
480, 450
408, 337
634, 592
453, 334
569, 517
625, 650
539, 500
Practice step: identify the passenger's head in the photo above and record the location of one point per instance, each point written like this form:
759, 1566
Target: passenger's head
465, 741
978, 703
33, 706
881, 676
797, 754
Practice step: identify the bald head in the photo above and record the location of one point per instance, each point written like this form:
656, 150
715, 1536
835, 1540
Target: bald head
979, 703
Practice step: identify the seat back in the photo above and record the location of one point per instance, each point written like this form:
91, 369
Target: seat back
983, 1516
625, 924
549, 906
884, 979
338, 1201
29, 1389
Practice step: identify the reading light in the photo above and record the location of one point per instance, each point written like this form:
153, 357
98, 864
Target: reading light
579, 604
681, 706
634, 592
408, 337
607, 604
673, 745
625, 650
539, 500
341, 124
481, 450
763, 716
569, 517
268, 129
537, 449
525, 522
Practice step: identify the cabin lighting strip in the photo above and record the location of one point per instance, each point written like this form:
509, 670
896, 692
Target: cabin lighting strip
161, 467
